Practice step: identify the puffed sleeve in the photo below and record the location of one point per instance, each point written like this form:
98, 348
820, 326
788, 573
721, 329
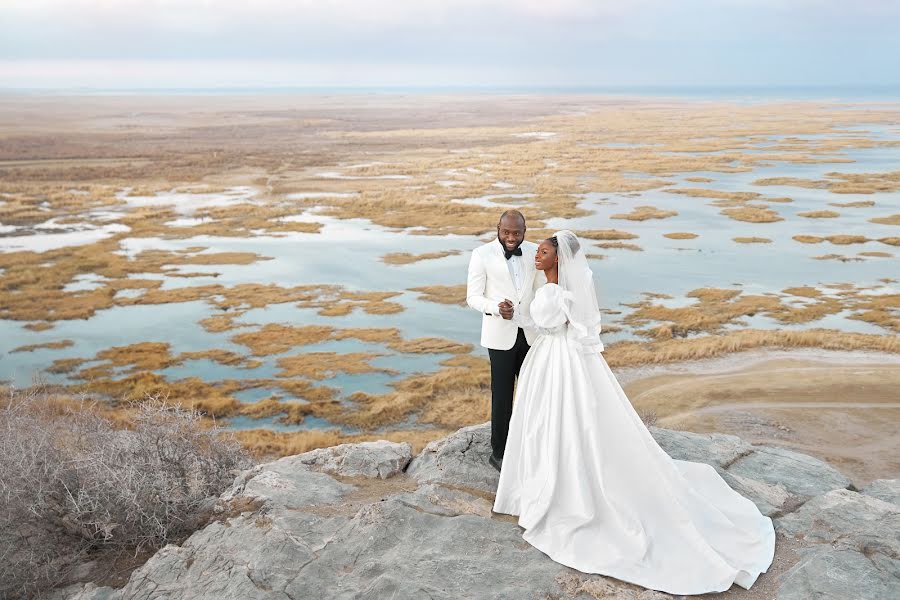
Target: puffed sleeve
547, 306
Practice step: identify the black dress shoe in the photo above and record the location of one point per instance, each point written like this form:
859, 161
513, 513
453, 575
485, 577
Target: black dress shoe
497, 463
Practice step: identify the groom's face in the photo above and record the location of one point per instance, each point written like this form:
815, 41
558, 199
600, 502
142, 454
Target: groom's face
511, 232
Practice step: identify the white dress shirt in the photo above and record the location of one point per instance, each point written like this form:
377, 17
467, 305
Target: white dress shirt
517, 271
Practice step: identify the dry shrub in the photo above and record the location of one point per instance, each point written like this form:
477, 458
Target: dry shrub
73, 483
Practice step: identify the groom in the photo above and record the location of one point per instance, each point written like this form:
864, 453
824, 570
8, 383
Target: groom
501, 281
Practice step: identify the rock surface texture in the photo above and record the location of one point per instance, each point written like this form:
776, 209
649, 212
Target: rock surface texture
371, 521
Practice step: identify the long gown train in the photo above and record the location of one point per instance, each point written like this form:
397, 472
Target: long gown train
594, 491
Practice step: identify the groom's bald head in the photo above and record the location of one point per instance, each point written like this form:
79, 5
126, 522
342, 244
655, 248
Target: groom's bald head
511, 229
514, 217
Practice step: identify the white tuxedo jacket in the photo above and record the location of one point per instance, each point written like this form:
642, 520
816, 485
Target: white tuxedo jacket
490, 282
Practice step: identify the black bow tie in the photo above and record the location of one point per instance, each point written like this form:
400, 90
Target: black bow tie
508, 253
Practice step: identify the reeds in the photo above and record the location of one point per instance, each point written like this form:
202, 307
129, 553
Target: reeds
643, 213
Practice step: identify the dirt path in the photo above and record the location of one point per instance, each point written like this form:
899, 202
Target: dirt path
841, 407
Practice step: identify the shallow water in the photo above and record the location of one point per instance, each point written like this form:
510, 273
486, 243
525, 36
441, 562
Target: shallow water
349, 253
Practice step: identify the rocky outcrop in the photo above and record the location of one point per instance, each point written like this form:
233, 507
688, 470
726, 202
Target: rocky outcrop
380, 459
884, 489
852, 548
350, 522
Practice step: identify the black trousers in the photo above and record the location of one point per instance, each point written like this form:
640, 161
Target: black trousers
505, 365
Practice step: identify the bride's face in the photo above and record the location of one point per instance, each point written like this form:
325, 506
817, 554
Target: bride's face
545, 257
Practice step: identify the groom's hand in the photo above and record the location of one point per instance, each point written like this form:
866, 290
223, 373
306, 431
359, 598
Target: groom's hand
506, 309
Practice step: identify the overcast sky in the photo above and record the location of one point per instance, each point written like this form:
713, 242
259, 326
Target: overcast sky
592, 43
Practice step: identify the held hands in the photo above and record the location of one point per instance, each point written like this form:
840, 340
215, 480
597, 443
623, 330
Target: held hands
506, 309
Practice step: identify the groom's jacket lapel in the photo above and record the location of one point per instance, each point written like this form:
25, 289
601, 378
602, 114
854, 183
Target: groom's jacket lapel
499, 262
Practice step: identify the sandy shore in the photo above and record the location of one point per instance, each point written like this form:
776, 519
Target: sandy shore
843, 407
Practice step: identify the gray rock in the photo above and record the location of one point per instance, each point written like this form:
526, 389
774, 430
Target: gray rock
770, 499
827, 573
716, 449
380, 459
392, 550
884, 489
288, 529
286, 482
87, 591
852, 543
851, 517
438, 500
460, 459
799, 474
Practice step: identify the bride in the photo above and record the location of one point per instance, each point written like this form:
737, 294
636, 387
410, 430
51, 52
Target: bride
590, 485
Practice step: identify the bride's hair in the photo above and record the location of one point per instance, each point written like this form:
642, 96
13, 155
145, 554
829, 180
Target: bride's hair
571, 243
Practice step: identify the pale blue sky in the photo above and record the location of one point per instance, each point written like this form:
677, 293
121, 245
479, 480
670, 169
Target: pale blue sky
210, 43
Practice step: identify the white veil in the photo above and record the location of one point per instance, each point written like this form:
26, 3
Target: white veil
576, 278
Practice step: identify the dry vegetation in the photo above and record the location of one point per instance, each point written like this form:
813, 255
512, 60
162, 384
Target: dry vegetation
752, 214
819, 214
842, 183
642, 213
405, 258
715, 309
890, 220
350, 159
752, 240
76, 487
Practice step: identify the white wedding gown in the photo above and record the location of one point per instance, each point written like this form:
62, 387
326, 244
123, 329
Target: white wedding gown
594, 491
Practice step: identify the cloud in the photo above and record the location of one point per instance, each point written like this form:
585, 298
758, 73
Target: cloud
596, 41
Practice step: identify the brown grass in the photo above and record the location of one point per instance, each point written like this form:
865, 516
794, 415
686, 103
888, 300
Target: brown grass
324, 365
221, 323
374, 334
680, 235
643, 213
854, 204
889, 220
57, 345
276, 339
752, 214
876, 254
843, 183
665, 351
606, 234
891, 241
620, 245
819, 214
443, 294
698, 179
427, 345
405, 258
717, 194
452, 397
839, 257
845, 240
717, 308
752, 240
808, 239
